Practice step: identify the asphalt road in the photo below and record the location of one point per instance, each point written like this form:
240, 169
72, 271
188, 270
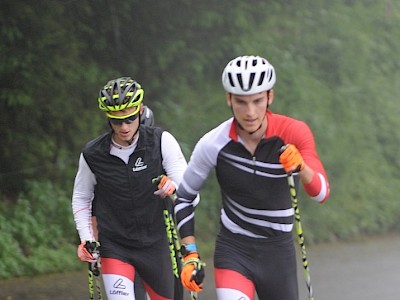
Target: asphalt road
367, 269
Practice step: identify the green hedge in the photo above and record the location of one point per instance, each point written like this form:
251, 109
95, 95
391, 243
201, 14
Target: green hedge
37, 233
38, 236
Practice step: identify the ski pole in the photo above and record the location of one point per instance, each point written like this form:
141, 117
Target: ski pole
94, 273
91, 282
174, 244
300, 236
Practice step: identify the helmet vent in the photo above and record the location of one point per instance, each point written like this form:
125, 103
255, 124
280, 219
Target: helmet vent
247, 75
240, 79
230, 79
251, 80
249, 83
119, 94
261, 80
271, 74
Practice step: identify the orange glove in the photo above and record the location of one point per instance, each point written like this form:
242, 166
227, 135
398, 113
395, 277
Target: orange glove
166, 187
291, 159
192, 274
88, 251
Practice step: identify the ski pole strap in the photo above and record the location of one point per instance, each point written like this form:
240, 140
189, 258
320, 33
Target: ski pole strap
95, 268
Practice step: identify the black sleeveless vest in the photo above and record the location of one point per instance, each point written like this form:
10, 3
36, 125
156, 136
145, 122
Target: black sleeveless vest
127, 211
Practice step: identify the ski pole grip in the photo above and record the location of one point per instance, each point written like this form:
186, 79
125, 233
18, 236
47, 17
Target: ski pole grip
157, 180
283, 148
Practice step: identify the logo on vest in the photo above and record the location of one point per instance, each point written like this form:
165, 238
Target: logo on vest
139, 165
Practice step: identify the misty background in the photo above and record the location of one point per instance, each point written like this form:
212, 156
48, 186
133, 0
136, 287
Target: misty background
337, 65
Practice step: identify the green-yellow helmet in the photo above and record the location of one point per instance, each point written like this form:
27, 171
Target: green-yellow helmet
119, 94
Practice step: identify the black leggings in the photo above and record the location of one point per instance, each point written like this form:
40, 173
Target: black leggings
269, 263
152, 263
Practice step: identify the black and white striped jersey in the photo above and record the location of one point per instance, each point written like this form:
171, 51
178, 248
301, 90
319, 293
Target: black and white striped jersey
255, 196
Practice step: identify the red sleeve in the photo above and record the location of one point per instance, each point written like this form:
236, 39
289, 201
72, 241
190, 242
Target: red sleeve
318, 188
298, 133
302, 137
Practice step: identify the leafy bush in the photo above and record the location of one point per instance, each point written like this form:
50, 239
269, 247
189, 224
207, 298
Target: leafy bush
37, 234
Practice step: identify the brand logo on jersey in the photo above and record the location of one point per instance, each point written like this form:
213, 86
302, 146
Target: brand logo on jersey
119, 286
139, 165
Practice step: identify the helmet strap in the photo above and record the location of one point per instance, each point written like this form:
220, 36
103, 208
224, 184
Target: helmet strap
241, 127
136, 132
255, 130
259, 127
133, 136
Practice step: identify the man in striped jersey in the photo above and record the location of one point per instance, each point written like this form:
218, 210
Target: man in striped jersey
254, 248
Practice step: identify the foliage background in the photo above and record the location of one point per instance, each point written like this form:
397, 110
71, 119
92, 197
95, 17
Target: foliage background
337, 66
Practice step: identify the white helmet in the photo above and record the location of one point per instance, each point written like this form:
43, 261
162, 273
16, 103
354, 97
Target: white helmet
247, 75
